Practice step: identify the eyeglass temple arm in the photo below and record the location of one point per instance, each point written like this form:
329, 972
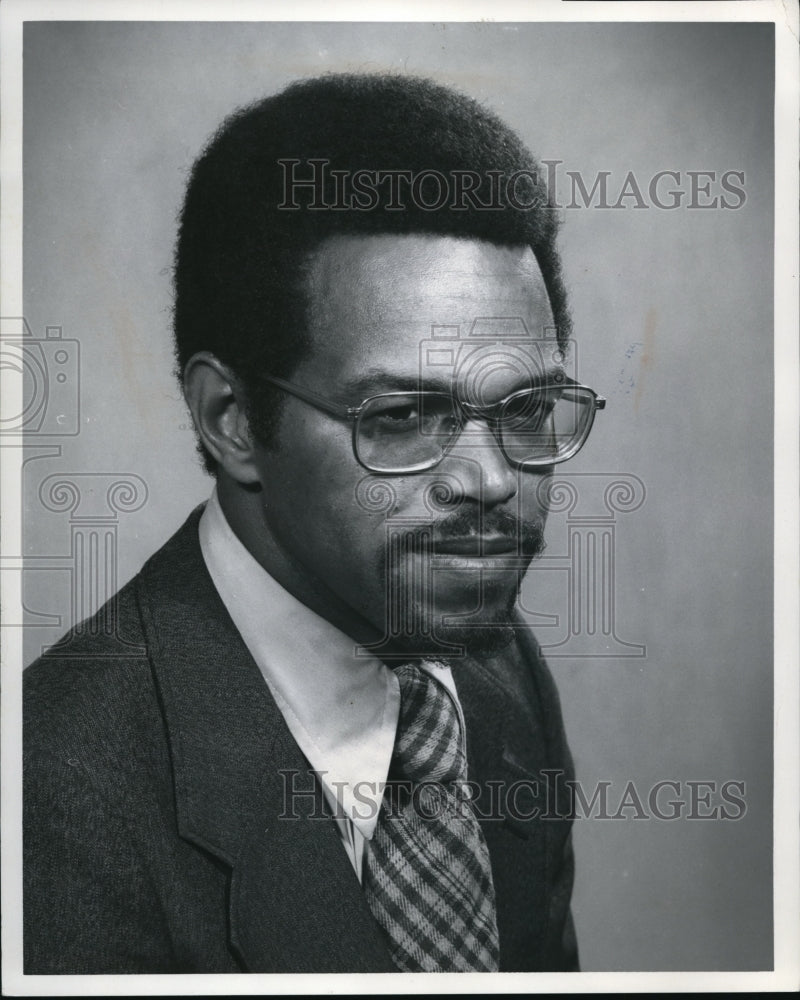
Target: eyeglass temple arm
312, 398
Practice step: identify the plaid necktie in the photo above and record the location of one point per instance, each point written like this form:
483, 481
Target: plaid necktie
428, 879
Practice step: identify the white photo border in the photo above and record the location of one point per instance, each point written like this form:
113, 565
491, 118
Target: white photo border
787, 488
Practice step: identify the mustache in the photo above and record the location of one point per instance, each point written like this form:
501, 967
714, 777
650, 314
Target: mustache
528, 536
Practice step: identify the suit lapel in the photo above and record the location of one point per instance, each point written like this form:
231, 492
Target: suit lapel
506, 753
243, 790
504, 734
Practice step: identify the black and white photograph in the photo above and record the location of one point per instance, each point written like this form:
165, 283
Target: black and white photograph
399, 453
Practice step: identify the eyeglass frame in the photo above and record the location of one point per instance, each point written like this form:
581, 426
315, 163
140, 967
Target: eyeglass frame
470, 410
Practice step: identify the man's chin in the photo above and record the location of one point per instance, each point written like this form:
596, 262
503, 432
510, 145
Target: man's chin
478, 640
443, 636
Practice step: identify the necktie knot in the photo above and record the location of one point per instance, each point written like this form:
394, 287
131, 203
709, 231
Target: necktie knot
429, 744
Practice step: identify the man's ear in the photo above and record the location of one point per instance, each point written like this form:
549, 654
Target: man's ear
216, 399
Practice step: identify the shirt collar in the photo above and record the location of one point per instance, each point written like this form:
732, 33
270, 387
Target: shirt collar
341, 708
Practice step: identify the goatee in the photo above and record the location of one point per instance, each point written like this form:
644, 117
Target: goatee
489, 626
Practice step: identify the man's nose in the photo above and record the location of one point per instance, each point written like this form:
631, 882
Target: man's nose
479, 466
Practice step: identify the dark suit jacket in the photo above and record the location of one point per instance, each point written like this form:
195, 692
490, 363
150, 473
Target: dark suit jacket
156, 764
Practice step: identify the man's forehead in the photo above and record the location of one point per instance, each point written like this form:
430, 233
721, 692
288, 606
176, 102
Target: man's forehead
378, 299
445, 263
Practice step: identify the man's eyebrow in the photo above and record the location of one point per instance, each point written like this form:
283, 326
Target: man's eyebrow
376, 380
381, 380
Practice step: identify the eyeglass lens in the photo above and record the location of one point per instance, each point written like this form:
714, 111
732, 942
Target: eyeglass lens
410, 431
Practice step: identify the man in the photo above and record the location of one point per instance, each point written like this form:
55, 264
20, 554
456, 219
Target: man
313, 735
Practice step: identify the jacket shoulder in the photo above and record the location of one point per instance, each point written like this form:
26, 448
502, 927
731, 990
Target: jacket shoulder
94, 690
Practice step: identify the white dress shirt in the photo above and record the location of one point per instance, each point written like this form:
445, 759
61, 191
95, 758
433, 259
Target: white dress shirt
340, 707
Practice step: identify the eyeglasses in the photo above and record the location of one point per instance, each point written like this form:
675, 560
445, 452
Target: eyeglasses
404, 432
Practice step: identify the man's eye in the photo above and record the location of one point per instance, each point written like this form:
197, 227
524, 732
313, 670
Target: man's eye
532, 405
400, 414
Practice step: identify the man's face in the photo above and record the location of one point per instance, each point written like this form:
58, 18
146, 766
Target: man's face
443, 551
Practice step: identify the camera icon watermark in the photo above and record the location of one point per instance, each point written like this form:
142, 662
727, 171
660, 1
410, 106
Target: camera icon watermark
464, 521
494, 347
49, 368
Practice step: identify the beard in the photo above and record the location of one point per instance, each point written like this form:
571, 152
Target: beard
490, 636
449, 614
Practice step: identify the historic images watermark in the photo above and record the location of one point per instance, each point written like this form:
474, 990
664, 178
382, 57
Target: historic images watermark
95, 504
312, 184
49, 370
40, 420
548, 796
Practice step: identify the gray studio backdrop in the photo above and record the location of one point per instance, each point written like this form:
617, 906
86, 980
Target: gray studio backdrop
654, 598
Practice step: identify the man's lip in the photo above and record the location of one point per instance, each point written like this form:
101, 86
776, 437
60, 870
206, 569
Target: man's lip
475, 545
